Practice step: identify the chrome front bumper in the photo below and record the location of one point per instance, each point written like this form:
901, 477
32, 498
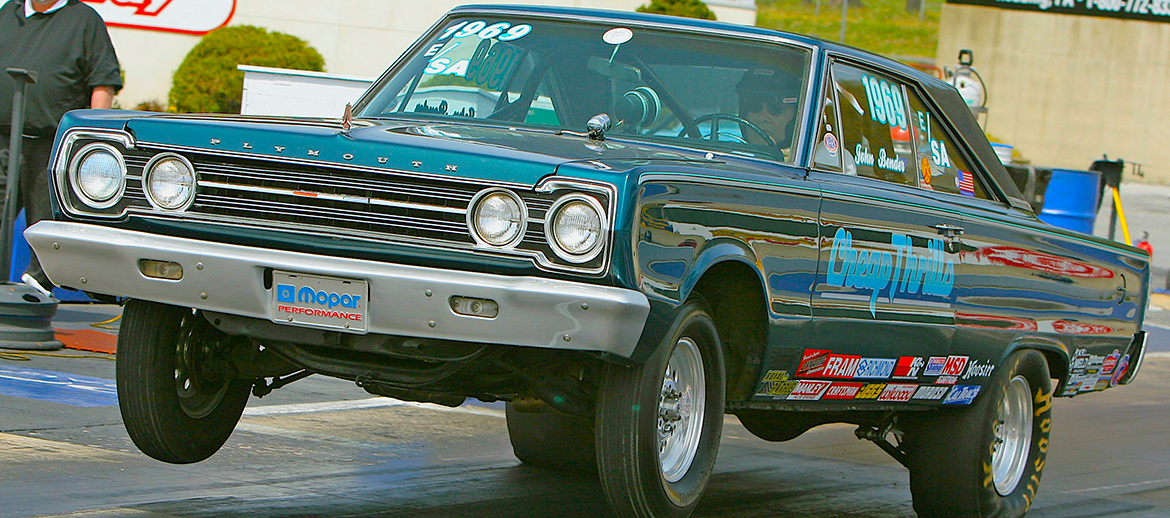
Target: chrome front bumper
403, 300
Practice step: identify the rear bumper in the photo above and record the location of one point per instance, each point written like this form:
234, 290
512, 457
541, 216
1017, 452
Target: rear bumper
403, 300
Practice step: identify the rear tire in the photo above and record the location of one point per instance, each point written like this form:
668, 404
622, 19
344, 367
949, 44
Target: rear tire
659, 424
550, 439
984, 460
173, 410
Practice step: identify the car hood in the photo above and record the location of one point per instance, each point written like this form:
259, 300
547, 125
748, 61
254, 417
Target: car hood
479, 152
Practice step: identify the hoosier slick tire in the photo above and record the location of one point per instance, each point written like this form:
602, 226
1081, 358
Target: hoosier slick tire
984, 460
171, 411
550, 439
658, 424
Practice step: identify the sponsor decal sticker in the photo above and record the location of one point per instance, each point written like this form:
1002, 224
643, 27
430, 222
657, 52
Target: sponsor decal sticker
1110, 362
931, 392
812, 363
770, 381
947, 380
807, 390
841, 366
871, 391
841, 390
874, 368
975, 370
954, 366
934, 365
1122, 366
898, 392
908, 367
962, 395
781, 389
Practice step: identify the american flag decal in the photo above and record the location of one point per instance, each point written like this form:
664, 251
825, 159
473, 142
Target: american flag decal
966, 183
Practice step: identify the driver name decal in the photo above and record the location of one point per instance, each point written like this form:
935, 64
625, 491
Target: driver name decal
902, 271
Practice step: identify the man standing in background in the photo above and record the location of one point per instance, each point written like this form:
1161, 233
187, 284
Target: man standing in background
66, 43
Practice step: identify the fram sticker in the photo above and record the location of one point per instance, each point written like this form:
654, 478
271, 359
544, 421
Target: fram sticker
809, 390
841, 366
908, 367
962, 395
812, 363
898, 392
842, 391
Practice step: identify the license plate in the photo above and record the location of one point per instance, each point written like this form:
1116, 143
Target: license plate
317, 301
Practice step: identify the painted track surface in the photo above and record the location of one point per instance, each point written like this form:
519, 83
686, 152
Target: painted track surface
322, 447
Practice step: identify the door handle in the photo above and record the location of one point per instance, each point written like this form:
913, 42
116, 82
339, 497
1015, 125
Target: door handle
950, 231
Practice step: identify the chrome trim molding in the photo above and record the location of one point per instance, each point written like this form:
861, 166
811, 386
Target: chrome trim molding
534, 311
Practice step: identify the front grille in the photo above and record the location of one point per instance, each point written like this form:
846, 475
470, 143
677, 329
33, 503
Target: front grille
388, 205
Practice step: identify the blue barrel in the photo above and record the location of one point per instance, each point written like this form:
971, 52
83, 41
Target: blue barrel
1070, 202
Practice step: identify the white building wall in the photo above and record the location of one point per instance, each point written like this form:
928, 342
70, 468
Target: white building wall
356, 37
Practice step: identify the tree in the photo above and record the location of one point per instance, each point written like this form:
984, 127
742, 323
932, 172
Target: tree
208, 81
686, 8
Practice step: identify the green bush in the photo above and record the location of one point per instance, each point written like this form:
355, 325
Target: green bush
208, 80
687, 8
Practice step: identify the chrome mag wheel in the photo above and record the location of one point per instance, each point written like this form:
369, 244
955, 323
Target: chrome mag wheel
680, 410
1013, 436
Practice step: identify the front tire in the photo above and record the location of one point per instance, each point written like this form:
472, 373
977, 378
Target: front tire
985, 460
174, 407
549, 439
658, 424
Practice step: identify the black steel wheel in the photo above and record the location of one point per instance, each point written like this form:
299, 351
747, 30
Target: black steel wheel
985, 460
549, 439
177, 407
659, 424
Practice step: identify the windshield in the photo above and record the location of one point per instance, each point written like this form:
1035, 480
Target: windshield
738, 95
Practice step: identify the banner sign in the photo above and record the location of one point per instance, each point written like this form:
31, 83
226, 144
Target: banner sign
182, 16
1147, 10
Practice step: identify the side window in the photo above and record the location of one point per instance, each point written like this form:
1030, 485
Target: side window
942, 167
875, 125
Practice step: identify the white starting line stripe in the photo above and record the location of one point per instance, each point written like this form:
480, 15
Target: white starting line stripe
360, 404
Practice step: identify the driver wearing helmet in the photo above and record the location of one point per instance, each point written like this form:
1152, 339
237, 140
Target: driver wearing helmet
768, 100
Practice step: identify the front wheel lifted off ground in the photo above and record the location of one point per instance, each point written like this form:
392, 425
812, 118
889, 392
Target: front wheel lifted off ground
658, 424
984, 460
176, 407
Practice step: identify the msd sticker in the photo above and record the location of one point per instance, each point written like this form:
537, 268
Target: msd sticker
962, 395
809, 390
898, 392
812, 363
954, 366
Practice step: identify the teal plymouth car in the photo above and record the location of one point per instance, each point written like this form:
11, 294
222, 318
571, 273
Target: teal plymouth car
624, 226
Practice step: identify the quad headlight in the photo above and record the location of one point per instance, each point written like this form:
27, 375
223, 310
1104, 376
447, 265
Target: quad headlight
497, 218
575, 228
169, 182
98, 175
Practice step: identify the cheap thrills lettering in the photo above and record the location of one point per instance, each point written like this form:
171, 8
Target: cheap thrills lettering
902, 271
862, 156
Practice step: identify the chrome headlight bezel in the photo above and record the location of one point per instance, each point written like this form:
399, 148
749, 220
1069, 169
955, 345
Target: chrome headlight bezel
473, 218
550, 233
75, 170
148, 172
